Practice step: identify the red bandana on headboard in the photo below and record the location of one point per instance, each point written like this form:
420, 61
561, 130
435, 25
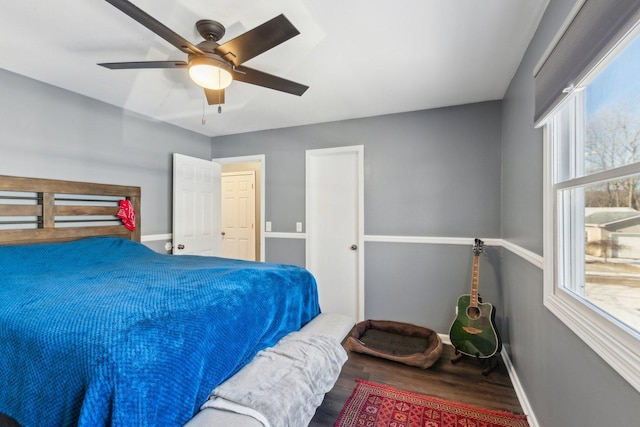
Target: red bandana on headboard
127, 215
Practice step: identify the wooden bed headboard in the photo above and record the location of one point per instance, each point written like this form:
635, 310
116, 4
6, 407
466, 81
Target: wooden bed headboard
35, 210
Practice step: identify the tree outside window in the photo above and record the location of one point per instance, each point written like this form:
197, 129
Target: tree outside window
609, 115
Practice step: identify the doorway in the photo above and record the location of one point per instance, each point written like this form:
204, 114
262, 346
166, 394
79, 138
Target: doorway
238, 215
255, 163
192, 199
335, 227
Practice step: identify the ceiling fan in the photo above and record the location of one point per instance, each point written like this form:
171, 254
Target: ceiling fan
214, 66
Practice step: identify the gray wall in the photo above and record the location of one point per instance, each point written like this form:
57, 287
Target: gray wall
427, 173
48, 132
449, 159
565, 381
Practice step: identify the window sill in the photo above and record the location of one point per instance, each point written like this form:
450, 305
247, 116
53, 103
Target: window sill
619, 347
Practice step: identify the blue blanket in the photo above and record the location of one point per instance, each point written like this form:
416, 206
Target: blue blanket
104, 331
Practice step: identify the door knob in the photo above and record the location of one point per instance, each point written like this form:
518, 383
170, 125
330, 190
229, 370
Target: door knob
354, 247
180, 246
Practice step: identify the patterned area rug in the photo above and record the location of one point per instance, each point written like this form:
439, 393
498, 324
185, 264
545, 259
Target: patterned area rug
377, 405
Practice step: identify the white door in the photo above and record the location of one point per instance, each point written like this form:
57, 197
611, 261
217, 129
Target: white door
335, 228
260, 194
238, 215
196, 199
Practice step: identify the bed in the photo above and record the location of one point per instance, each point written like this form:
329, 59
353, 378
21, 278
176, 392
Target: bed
98, 329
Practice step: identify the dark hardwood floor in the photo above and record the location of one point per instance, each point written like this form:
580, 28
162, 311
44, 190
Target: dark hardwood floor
462, 382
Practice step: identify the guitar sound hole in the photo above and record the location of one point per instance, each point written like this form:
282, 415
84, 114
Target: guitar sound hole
473, 312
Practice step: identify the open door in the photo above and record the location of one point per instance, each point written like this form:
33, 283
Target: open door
196, 200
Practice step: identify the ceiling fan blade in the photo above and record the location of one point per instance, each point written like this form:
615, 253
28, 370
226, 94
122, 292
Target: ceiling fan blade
143, 64
258, 40
214, 96
156, 26
255, 77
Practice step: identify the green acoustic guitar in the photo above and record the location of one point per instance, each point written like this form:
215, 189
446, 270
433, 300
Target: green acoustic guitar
473, 331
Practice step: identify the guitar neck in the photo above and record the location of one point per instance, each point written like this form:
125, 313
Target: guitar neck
474, 281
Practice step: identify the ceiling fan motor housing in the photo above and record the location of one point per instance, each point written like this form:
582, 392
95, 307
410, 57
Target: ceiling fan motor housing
210, 30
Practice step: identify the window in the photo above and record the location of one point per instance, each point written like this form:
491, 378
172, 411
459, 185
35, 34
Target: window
592, 211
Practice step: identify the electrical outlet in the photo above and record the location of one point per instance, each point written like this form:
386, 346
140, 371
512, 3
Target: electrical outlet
299, 227
267, 226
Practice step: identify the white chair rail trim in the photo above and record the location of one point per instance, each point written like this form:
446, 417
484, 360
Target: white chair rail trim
523, 253
155, 237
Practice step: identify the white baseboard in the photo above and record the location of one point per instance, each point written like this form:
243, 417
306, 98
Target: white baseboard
517, 386
445, 338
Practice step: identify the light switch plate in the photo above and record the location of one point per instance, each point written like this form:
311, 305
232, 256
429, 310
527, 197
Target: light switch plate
267, 226
299, 227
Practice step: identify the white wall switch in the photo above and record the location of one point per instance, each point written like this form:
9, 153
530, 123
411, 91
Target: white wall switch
267, 226
299, 227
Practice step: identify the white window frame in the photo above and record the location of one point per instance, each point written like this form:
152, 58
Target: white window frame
615, 342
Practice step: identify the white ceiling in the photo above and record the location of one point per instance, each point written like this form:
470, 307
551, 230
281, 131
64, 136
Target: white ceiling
360, 58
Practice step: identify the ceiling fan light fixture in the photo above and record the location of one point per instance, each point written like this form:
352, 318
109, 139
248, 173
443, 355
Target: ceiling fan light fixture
210, 73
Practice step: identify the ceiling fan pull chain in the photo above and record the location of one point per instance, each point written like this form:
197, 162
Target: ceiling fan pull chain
219, 95
204, 119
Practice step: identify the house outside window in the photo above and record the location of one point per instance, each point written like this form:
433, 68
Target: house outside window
592, 212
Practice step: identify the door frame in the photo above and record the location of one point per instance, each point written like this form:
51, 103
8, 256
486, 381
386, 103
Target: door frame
261, 158
359, 151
